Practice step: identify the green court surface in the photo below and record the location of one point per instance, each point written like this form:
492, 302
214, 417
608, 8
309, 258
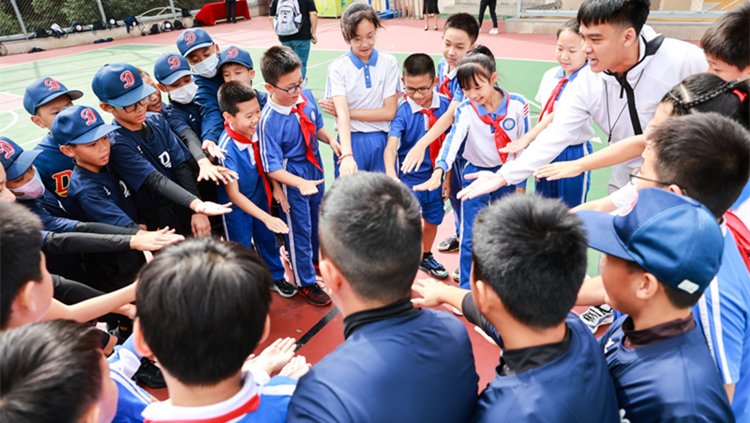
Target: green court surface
77, 70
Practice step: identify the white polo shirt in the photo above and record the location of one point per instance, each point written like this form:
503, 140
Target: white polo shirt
600, 96
365, 85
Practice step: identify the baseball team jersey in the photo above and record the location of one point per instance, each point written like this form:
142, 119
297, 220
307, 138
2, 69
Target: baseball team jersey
183, 115
240, 157
418, 368
478, 137
547, 86
177, 125
365, 85
409, 126
134, 157
50, 222
600, 96
253, 404
100, 197
455, 93
552, 392
280, 136
54, 167
671, 380
212, 123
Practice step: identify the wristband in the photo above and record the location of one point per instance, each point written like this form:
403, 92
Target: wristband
343, 157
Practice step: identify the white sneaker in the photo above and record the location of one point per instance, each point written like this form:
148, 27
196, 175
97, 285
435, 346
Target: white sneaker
494, 31
456, 311
597, 316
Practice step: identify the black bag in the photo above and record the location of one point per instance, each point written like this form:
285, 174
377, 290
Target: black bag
98, 26
154, 29
41, 33
186, 13
178, 25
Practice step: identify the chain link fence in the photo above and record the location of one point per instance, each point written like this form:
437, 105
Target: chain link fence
29, 18
679, 9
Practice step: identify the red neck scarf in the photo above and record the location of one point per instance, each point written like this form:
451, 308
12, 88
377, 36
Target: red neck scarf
256, 152
444, 88
245, 408
550, 106
501, 137
438, 143
308, 130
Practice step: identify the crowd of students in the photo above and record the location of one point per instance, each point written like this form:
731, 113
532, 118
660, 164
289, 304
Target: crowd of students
244, 165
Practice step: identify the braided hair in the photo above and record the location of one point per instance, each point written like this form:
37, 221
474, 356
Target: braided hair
707, 92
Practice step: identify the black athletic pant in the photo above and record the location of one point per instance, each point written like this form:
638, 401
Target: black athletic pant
492, 5
231, 10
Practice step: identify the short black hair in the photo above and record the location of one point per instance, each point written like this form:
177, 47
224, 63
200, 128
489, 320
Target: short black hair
419, 64
202, 307
354, 14
142, 72
233, 93
20, 239
466, 23
51, 372
707, 155
479, 63
706, 92
278, 61
371, 230
532, 252
570, 25
728, 39
677, 297
628, 13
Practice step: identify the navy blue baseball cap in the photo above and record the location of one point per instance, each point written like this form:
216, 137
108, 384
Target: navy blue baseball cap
119, 84
193, 38
170, 67
44, 90
79, 125
673, 237
235, 55
15, 161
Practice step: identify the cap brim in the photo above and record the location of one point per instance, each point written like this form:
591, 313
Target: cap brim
224, 62
132, 97
73, 94
21, 165
600, 233
171, 79
196, 47
94, 134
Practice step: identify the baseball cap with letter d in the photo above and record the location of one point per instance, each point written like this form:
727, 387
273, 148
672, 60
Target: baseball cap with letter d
120, 85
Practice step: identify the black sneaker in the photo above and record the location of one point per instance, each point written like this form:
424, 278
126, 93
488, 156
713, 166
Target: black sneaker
449, 244
284, 288
314, 295
150, 375
431, 266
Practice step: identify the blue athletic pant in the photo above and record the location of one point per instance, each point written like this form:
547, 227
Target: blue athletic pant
302, 219
302, 48
572, 191
244, 229
368, 148
469, 211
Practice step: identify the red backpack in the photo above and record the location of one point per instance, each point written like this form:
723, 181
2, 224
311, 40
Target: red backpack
741, 235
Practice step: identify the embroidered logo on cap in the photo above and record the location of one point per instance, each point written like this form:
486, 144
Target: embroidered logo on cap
189, 38
89, 115
52, 84
127, 78
7, 148
174, 61
232, 53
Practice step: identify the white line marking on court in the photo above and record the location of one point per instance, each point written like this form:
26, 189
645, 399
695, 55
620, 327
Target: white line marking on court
322, 63
15, 119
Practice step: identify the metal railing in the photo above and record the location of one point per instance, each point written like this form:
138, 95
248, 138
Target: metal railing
660, 9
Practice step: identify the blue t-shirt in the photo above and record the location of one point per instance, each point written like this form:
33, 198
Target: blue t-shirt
671, 380
100, 197
456, 93
575, 387
54, 167
240, 158
43, 207
418, 368
409, 126
280, 136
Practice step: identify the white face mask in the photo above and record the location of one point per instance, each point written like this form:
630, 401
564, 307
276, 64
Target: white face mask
207, 68
185, 94
31, 190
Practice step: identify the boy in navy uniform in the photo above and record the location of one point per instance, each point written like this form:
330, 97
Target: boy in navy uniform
250, 221
529, 262
661, 254
288, 134
150, 157
235, 64
398, 363
414, 117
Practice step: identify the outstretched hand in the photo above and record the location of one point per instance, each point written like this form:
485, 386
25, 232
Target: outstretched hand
486, 182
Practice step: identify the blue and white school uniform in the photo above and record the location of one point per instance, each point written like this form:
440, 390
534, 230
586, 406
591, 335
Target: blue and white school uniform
572, 191
365, 86
239, 226
409, 126
282, 146
478, 140
131, 399
454, 93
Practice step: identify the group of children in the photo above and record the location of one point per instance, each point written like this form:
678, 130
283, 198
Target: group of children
226, 159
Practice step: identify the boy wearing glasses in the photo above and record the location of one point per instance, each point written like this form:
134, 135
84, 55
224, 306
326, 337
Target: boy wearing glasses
414, 117
149, 156
289, 130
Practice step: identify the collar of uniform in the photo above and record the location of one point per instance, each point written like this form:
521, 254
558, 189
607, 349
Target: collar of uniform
561, 72
520, 360
633, 74
415, 108
165, 411
400, 308
284, 110
359, 63
452, 74
502, 109
634, 339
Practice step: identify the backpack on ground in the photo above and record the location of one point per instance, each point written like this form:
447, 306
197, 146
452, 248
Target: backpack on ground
288, 18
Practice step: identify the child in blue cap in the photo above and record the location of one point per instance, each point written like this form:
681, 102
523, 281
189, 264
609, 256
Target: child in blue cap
660, 255
235, 64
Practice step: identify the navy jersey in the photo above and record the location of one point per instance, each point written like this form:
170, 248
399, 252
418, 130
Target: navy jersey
54, 167
554, 392
418, 368
212, 122
134, 157
409, 126
671, 380
280, 136
176, 125
100, 197
181, 116
51, 221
